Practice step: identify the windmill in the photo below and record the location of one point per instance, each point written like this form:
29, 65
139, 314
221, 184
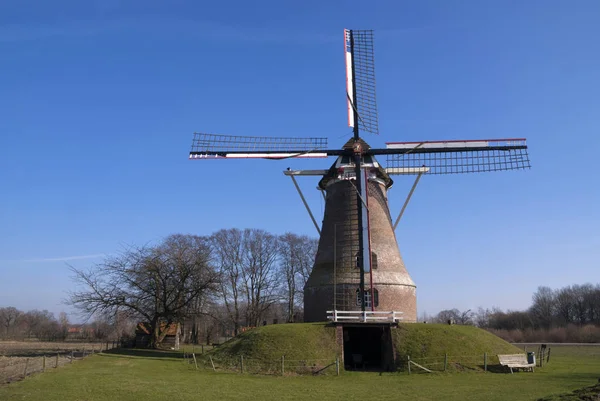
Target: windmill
357, 249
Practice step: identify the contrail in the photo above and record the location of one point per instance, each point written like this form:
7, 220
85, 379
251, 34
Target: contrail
63, 259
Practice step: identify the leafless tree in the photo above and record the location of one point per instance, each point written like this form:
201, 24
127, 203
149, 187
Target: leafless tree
297, 256
448, 316
8, 319
592, 302
63, 321
580, 304
259, 279
564, 305
227, 246
544, 306
41, 324
307, 255
157, 283
482, 317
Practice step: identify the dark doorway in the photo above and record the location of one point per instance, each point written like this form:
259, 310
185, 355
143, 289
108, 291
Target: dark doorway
364, 347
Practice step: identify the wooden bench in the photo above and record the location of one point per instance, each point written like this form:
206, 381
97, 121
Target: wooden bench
516, 361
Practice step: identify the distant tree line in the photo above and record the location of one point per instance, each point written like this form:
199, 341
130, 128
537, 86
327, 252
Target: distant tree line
44, 326
571, 313
210, 286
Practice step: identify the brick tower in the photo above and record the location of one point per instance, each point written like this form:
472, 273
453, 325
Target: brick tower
393, 288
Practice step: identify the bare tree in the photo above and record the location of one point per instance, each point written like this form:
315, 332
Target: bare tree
466, 317
258, 273
41, 324
63, 321
564, 305
482, 317
448, 316
580, 304
592, 302
297, 256
227, 246
306, 261
8, 319
157, 283
544, 305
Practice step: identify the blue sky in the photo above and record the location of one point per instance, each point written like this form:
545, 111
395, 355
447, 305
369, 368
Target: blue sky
99, 100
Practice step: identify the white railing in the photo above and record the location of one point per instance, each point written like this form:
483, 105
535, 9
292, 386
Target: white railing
364, 317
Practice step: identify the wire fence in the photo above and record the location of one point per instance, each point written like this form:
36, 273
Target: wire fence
412, 365
465, 363
281, 366
14, 368
448, 363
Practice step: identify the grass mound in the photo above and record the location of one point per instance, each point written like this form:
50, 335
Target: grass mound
427, 344
305, 346
312, 346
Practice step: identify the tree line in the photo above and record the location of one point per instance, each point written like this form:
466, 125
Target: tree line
223, 282
43, 325
570, 313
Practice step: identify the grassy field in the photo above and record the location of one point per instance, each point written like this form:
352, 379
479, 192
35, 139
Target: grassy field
155, 375
21, 358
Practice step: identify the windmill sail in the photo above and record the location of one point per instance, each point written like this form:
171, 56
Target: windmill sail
456, 157
213, 146
360, 80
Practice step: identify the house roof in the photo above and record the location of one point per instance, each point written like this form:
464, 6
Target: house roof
145, 327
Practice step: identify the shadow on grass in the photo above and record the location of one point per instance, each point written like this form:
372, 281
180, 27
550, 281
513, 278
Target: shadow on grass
496, 369
145, 353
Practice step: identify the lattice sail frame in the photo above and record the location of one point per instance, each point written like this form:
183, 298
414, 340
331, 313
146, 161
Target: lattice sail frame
460, 156
360, 79
214, 146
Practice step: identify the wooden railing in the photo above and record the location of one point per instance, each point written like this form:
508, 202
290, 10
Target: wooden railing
364, 317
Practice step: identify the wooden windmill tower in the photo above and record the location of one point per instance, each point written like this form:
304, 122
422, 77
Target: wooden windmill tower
358, 266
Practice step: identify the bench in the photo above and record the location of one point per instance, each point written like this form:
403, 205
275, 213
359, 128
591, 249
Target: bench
516, 361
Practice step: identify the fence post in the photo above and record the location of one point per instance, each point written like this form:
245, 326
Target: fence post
83, 352
337, 366
282, 365
195, 363
44, 363
212, 363
26, 363
548, 358
72, 356
241, 363
445, 362
408, 362
202, 346
485, 361
56, 366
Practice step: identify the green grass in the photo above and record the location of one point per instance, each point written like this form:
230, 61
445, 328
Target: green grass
295, 341
427, 344
195, 348
155, 375
426, 340
315, 342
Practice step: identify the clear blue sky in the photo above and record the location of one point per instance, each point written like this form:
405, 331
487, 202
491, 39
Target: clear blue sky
99, 100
